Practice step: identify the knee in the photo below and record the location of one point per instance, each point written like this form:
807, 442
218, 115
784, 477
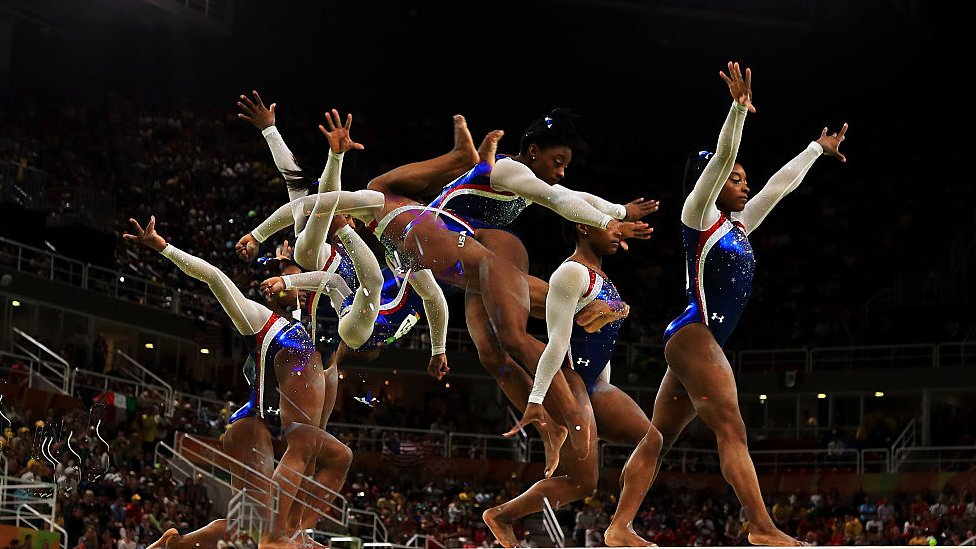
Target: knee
512, 338
352, 333
653, 442
376, 184
730, 430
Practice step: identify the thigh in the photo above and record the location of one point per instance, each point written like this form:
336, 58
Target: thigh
301, 385
618, 418
698, 361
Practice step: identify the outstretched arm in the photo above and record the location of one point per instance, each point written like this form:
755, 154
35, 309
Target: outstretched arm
789, 177
699, 211
248, 316
513, 176
339, 142
263, 118
566, 286
352, 202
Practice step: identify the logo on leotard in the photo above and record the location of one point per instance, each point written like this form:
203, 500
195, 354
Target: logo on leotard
461, 238
718, 318
583, 362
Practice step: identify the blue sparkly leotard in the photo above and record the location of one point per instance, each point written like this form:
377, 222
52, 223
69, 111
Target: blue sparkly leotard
278, 334
472, 197
720, 267
400, 309
590, 353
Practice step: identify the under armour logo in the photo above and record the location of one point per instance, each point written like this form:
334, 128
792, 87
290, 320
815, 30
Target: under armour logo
583, 362
718, 318
461, 238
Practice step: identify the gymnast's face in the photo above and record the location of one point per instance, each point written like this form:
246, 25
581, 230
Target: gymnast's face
735, 192
549, 164
601, 241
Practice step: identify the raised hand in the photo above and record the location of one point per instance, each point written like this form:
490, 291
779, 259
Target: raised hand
831, 143
437, 367
637, 209
272, 286
284, 252
148, 237
637, 229
255, 112
338, 134
739, 87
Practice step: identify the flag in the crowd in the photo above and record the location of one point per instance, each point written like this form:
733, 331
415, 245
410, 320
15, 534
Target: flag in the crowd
403, 453
117, 400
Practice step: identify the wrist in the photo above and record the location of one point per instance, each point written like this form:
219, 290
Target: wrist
606, 221
621, 212
438, 350
535, 399
286, 280
816, 147
269, 131
741, 107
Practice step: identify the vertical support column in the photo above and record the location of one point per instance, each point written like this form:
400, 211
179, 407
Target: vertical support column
6, 51
926, 417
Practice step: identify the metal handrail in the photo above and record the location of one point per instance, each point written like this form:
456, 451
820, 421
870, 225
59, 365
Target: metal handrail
901, 456
62, 372
428, 541
111, 282
167, 389
51, 524
379, 529
129, 386
907, 438
312, 501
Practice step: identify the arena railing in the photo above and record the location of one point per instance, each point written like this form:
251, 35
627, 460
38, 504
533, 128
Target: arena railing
429, 542
138, 372
482, 446
55, 267
371, 522
22, 503
939, 458
371, 438
698, 460
58, 368
331, 505
35, 371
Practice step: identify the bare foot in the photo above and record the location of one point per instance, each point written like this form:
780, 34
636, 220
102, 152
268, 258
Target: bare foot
552, 440
164, 540
501, 527
774, 538
463, 143
625, 537
488, 148
247, 247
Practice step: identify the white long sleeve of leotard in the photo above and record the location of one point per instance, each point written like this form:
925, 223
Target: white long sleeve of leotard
566, 286
331, 284
513, 176
699, 211
330, 181
616, 211
283, 158
435, 307
248, 316
779, 185
353, 202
